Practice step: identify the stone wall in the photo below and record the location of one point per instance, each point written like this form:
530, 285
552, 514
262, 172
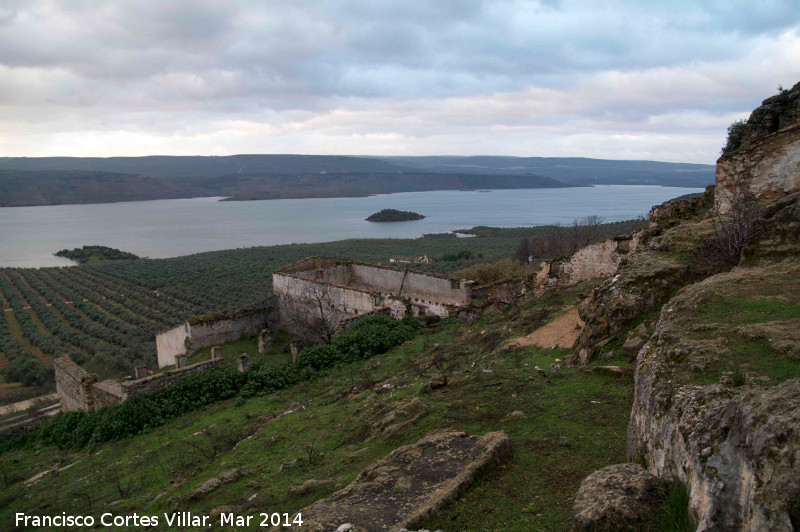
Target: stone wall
74, 385
80, 390
412, 285
591, 262
769, 168
157, 381
342, 290
108, 392
173, 342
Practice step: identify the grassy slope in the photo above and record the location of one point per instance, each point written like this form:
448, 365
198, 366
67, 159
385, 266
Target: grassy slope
574, 424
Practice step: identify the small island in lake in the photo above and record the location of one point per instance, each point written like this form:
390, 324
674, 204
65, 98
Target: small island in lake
88, 254
393, 215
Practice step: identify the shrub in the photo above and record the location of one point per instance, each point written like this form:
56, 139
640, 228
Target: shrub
736, 133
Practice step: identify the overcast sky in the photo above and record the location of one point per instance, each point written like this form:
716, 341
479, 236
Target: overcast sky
614, 80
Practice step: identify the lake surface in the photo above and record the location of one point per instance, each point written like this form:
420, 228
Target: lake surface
170, 228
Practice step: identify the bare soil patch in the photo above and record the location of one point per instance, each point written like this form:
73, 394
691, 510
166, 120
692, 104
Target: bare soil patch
561, 332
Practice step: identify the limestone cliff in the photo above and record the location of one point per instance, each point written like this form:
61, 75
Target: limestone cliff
713, 403
717, 383
764, 153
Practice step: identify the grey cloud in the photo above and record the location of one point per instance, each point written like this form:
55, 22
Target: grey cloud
150, 66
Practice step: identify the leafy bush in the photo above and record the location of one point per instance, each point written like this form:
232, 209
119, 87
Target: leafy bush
368, 337
736, 133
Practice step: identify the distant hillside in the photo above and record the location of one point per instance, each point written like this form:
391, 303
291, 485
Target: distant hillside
167, 167
250, 187
58, 180
21, 188
572, 170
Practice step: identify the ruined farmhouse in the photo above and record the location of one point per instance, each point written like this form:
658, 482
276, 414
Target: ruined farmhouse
329, 292
317, 298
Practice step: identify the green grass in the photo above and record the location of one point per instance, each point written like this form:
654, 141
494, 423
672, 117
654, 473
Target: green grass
277, 355
743, 356
575, 423
732, 310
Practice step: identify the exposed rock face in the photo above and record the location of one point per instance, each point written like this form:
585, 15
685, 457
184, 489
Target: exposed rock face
409, 484
642, 281
735, 444
231, 475
770, 168
683, 209
775, 113
767, 160
396, 416
619, 497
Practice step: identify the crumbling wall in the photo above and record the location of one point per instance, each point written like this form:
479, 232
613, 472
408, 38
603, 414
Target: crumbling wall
74, 385
351, 289
226, 330
591, 262
157, 381
107, 393
412, 285
173, 342
80, 390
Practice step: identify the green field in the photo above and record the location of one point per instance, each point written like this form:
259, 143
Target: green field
573, 422
106, 315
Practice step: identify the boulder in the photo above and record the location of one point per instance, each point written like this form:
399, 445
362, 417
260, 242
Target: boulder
409, 485
634, 341
310, 485
204, 488
394, 417
619, 497
436, 382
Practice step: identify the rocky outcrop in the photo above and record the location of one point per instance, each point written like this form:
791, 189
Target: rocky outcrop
717, 402
621, 497
204, 488
775, 113
409, 484
643, 281
683, 208
763, 155
769, 169
394, 417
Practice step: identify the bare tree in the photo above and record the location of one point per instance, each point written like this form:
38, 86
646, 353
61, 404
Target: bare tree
736, 219
315, 317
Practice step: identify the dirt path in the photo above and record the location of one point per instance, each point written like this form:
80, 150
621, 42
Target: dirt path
561, 332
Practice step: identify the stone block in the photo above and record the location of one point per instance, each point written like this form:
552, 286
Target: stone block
264, 341
216, 352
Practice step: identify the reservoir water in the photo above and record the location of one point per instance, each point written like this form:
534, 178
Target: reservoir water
169, 228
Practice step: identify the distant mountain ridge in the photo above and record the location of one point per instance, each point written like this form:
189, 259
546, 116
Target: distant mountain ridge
20, 188
572, 170
58, 180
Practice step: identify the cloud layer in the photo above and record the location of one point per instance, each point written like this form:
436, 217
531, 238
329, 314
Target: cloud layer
655, 80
